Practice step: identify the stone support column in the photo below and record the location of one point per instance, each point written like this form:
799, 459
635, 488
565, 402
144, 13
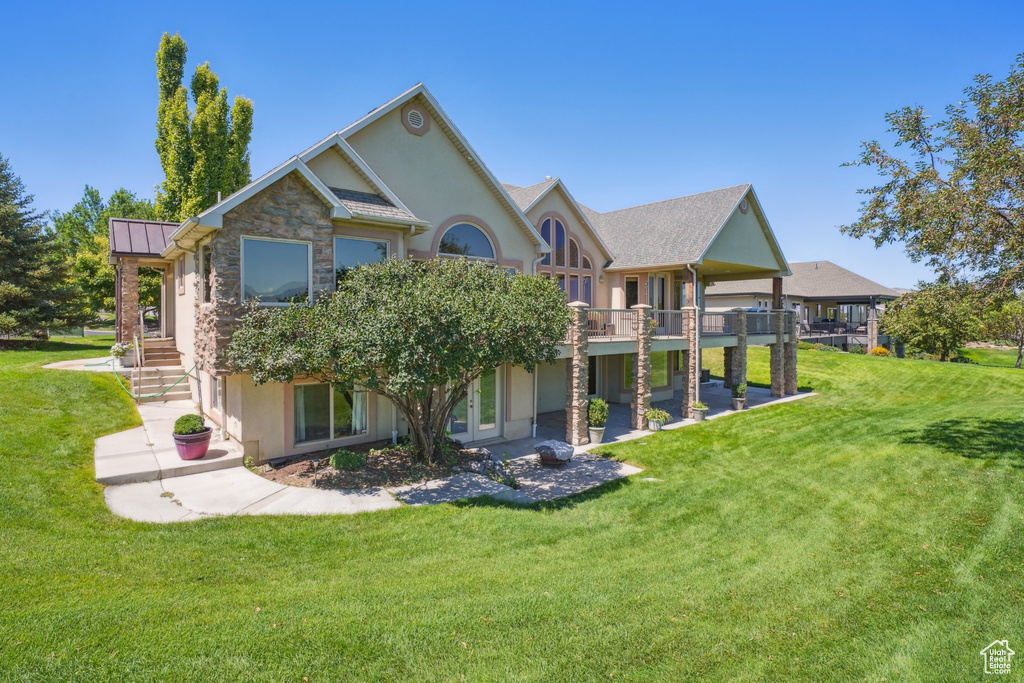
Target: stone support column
793, 336
640, 400
691, 381
729, 361
576, 370
128, 304
777, 354
872, 331
739, 355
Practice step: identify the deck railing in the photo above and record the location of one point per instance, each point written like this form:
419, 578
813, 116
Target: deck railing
718, 324
669, 323
829, 328
760, 323
611, 322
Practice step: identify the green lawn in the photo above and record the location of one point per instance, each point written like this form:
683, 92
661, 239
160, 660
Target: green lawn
873, 532
1000, 358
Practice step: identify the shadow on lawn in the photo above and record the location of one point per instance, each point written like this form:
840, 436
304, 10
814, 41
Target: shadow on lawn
974, 438
766, 385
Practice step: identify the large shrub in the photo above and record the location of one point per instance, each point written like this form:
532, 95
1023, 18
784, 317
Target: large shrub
417, 332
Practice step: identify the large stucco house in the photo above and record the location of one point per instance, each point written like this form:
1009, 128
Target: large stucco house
403, 182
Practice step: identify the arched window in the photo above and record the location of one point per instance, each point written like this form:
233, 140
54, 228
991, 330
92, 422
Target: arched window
464, 239
570, 266
559, 243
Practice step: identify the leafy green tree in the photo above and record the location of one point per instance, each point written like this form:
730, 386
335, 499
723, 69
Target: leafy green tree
202, 152
957, 200
1005, 322
418, 333
82, 233
936, 318
35, 293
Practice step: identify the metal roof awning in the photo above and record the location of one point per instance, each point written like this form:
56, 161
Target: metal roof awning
141, 238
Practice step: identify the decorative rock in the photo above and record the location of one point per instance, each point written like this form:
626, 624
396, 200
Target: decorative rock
554, 453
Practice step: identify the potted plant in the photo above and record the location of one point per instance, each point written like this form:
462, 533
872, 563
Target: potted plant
597, 415
656, 419
739, 396
191, 437
122, 351
700, 411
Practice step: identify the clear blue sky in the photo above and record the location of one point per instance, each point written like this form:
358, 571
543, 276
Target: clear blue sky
627, 102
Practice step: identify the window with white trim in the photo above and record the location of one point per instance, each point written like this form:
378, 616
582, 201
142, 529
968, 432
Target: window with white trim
276, 272
324, 412
465, 239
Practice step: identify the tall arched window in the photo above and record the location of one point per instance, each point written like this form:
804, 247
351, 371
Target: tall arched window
567, 263
465, 239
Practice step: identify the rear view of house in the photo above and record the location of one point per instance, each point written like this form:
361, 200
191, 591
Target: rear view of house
403, 182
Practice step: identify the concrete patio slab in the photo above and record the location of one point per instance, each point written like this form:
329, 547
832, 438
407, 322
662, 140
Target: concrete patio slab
145, 502
147, 453
82, 364
221, 492
303, 501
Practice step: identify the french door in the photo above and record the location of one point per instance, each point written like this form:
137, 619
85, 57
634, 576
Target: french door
478, 416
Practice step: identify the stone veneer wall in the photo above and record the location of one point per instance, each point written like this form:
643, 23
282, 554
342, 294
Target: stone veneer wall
691, 382
288, 209
576, 370
739, 354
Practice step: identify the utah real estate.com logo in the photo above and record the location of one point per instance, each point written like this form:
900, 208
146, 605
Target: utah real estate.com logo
997, 657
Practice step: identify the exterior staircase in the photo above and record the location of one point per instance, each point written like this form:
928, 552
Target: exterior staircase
161, 368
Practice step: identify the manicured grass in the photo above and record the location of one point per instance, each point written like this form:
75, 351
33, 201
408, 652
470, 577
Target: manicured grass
998, 357
872, 532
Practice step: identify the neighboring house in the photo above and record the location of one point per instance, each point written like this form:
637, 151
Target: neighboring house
402, 182
835, 306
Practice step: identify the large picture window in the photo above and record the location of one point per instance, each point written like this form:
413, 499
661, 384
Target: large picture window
567, 261
352, 252
277, 272
324, 412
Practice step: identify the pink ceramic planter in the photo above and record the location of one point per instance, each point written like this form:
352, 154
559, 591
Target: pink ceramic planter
193, 446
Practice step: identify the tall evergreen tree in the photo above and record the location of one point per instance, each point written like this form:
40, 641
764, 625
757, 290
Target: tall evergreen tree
35, 293
202, 152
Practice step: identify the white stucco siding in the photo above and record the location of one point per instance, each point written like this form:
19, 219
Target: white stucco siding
430, 175
335, 171
743, 241
555, 203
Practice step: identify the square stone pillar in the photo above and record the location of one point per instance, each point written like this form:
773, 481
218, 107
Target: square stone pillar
792, 337
576, 369
777, 293
872, 331
739, 354
640, 400
777, 354
729, 362
691, 381
128, 300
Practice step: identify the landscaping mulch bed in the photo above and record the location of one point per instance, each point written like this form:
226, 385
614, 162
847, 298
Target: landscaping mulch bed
386, 465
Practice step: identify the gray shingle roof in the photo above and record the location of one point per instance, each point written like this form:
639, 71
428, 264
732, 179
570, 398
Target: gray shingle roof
524, 196
369, 204
131, 237
814, 279
673, 231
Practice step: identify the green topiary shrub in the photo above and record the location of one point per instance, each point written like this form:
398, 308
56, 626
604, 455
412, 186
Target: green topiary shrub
740, 390
344, 459
597, 412
189, 424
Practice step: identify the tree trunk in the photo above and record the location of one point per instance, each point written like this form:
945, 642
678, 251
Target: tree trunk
1020, 351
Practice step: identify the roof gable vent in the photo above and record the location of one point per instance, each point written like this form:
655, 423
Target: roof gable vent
415, 118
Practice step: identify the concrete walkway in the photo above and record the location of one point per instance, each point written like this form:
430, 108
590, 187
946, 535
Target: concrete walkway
168, 489
147, 453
